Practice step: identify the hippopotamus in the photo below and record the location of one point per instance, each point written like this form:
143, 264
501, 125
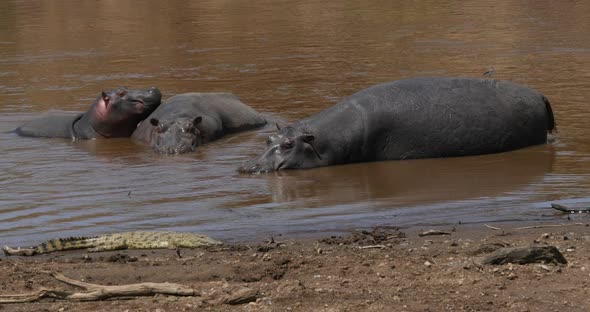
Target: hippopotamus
188, 120
114, 113
412, 118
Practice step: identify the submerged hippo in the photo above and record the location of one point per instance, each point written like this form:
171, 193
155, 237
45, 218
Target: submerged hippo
188, 120
114, 113
412, 118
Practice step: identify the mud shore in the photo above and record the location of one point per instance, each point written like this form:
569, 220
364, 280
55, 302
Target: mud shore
380, 269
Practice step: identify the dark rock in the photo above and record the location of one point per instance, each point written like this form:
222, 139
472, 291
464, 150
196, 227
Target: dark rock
239, 295
524, 255
290, 289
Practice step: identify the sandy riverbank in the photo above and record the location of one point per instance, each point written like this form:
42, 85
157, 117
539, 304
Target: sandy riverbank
382, 269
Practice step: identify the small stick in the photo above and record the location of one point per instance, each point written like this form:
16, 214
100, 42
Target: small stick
547, 225
434, 232
372, 246
493, 228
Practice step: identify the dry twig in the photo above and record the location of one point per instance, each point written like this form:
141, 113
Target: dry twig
547, 225
493, 228
100, 292
434, 232
372, 246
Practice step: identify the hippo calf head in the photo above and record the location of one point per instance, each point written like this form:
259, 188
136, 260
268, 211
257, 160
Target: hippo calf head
116, 113
179, 135
290, 148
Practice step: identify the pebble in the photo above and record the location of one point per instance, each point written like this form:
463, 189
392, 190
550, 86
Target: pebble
512, 276
544, 267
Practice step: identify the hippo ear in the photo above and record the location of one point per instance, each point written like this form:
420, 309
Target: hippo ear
308, 138
155, 122
197, 120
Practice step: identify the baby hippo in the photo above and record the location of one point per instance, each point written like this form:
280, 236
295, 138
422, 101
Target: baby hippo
188, 120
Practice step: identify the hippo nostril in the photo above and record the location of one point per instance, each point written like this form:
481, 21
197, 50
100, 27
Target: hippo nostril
105, 98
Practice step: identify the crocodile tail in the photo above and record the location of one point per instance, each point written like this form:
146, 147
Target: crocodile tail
69, 243
550, 119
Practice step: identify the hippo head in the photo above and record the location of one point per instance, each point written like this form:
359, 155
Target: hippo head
116, 113
179, 135
290, 148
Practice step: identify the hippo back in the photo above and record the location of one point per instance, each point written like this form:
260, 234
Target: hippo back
49, 126
431, 117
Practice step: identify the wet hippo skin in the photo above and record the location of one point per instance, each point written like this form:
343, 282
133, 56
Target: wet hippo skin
412, 118
188, 120
114, 113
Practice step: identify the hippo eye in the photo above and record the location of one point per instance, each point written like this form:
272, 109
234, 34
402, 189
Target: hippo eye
188, 128
287, 145
121, 92
161, 128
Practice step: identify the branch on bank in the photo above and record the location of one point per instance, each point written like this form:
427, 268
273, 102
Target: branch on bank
96, 292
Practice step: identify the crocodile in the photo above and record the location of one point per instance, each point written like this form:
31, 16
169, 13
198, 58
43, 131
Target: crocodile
118, 241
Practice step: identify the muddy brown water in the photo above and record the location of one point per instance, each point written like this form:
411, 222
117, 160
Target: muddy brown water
289, 60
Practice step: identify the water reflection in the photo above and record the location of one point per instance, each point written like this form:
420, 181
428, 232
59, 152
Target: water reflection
412, 182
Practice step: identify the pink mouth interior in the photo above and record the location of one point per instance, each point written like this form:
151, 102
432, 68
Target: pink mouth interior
102, 108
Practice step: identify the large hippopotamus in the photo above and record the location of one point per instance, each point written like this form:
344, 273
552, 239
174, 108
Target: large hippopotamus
188, 120
114, 113
412, 118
